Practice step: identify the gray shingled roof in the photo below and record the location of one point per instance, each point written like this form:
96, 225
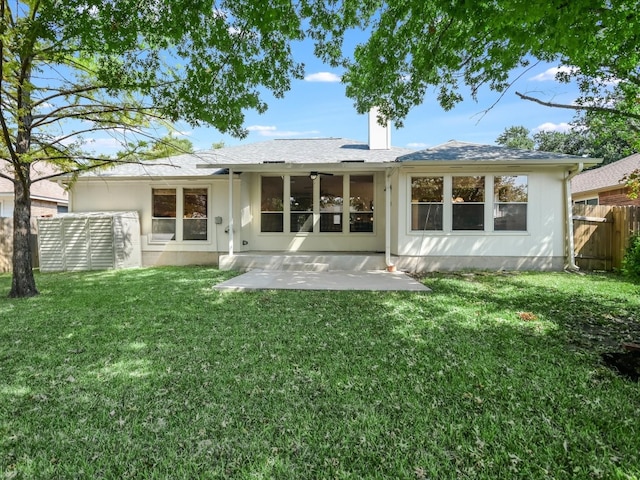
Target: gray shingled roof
319, 151
455, 151
605, 177
301, 151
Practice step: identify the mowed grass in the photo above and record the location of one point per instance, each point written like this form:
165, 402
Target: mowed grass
151, 373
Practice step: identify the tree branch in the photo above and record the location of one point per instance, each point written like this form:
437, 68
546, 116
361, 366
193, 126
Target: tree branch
588, 108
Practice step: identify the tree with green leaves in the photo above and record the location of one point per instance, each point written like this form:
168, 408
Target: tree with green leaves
516, 137
164, 147
416, 46
583, 138
76, 68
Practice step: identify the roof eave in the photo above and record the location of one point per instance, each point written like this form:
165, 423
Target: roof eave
504, 162
279, 167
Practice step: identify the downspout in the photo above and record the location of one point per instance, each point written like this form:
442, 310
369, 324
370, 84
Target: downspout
570, 245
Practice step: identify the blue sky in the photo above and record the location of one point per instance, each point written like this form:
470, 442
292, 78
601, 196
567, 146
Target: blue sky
318, 107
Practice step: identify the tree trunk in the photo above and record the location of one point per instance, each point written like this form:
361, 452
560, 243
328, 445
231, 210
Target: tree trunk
23, 283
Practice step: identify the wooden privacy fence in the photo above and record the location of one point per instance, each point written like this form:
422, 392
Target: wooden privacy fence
6, 243
601, 234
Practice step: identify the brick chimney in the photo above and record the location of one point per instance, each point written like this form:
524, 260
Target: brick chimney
379, 136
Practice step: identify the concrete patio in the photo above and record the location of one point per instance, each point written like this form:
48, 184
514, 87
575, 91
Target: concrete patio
378, 280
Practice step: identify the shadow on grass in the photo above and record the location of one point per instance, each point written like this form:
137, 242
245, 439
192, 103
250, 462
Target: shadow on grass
595, 312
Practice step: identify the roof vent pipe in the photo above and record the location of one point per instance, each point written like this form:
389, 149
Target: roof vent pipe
379, 135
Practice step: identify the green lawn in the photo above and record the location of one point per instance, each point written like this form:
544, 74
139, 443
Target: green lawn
151, 373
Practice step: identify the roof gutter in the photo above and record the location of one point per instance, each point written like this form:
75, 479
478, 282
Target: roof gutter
569, 241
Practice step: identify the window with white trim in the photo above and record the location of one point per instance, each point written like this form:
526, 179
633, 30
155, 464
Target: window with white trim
361, 203
468, 203
427, 201
317, 205
163, 219
331, 203
179, 214
194, 222
510, 199
272, 204
301, 203
588, 201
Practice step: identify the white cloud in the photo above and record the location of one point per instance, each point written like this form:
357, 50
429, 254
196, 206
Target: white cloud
417, 145
550, 74
105, 143
272, 131
324, 77
45, 106
261, 128
553, 127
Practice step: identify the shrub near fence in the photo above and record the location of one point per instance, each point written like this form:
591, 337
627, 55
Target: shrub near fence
6, 243
601, 234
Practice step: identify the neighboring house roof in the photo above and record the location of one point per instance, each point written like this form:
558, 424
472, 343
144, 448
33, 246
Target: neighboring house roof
42, 190
606, 177
455, 151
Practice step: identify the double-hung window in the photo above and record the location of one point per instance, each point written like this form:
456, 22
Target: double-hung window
272, 204
468, 203
194, 223
179, 214
427, 195
163, 221
510, 203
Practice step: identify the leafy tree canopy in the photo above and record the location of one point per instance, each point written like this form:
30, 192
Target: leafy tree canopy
165, 147
516, 137
588, 135
416, 45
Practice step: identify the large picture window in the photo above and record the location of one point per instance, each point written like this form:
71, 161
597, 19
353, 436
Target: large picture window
510, 203
427, 195
361, 203
468, 203
317, 203
163, 220
272, 204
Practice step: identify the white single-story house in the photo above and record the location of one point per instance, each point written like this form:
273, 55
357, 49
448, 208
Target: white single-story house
343, 202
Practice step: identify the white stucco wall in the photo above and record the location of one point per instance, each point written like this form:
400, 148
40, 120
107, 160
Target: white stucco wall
309, 241
115, 195
540, 246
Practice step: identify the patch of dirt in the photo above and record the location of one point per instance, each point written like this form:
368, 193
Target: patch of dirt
626, 364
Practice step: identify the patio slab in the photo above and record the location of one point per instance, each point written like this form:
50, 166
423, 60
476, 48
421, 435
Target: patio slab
378, 280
